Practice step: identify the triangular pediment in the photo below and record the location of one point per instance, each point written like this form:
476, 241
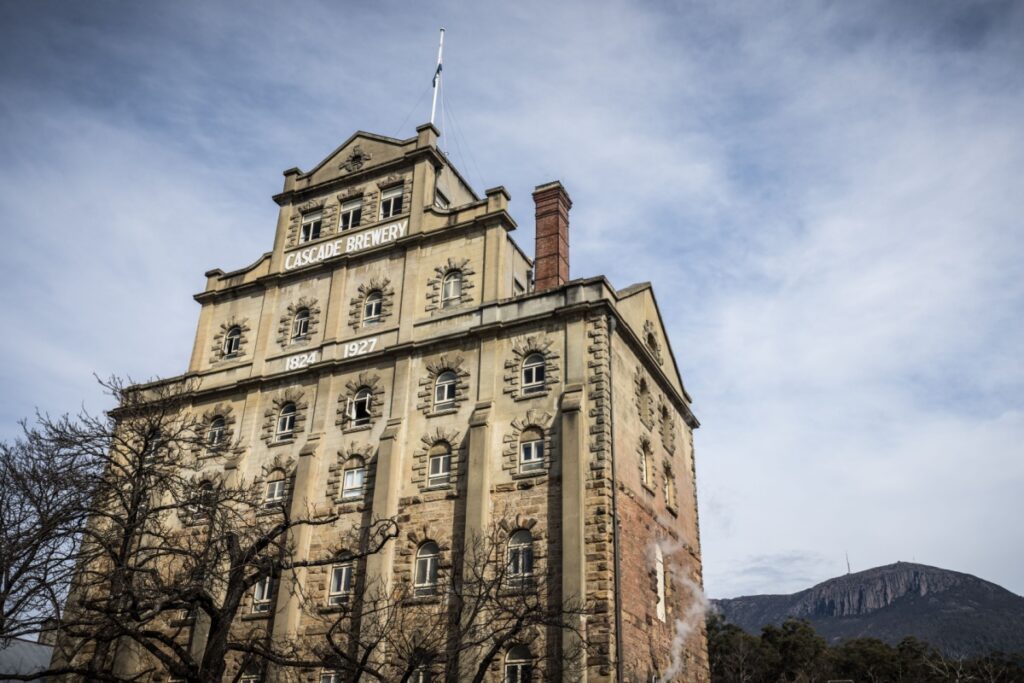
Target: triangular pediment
360, 152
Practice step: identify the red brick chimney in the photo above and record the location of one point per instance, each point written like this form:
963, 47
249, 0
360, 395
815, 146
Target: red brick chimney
551, 251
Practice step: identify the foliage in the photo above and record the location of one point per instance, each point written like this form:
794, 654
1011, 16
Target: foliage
794, 652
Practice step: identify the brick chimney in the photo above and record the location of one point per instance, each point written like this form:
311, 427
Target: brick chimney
551, 251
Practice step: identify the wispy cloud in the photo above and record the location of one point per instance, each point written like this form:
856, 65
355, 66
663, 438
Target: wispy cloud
825, 195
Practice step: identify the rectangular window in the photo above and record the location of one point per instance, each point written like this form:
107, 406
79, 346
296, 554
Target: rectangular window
261, 596
440, 469
355, 478
330, 677
659, 571
531, 456
420, 675
391, 202
311, 226
351, 214
275, 493
341, 584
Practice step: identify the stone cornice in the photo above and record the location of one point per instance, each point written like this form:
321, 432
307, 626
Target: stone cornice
266, 281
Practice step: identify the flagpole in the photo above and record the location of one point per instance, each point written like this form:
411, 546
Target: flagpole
437, 77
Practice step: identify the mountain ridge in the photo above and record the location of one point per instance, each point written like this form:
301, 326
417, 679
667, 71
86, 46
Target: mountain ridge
957, 612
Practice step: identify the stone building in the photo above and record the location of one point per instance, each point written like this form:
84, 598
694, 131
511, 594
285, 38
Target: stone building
397, 354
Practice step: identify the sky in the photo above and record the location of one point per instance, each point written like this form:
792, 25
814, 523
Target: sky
827, 197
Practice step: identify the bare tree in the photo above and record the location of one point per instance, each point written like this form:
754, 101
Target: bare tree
460, 621
41, 505
171, 551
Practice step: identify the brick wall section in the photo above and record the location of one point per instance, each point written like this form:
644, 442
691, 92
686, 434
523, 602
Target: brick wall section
551, 252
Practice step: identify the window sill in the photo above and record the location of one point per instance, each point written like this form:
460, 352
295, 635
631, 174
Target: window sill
256, 616
530, 474
527, 396
648, 489
672, 510
433, 599
357, 428
444, 411
281, 442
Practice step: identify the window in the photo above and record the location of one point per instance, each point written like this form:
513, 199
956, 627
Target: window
426, 568
520, 558
215, 435
249, 678
310, 226
518, 665
420, 675
670, 488
440, 201
261, 596
645, 464
359, 408
533, 373
659, 576
391, 202
341, 584
274, 495
351, 213
330, 677
439, 467
232, 342
531, 450
372, 308
451, 289
203, 500
286, 422
151, 446
355, 478
300, 324
444, 391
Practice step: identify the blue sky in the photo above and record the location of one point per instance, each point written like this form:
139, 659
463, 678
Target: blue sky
827, 197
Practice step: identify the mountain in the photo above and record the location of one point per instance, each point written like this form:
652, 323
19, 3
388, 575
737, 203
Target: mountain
958, 613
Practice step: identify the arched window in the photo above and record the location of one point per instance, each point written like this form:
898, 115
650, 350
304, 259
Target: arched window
451, 289
359, 408
444, 390
232, 341
373, 307
286, 422
215, 435
439, 464
645, 464
659, 575
300, 324
520, 557
425, 579
670, 488
644, 392
533, 373
531, 450
518, 665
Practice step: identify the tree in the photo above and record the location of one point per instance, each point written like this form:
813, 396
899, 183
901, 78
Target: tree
490, 600
170, 549
733, 654
41, 507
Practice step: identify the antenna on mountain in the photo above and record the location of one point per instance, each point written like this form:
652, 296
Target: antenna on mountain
437, 77
847, 563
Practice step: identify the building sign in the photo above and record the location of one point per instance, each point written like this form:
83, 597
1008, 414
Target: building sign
300, 360
346, 245
358, 348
